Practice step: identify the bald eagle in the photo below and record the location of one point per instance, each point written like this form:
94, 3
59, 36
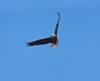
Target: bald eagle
53, 39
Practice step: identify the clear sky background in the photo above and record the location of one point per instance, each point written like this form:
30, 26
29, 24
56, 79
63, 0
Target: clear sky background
77, 57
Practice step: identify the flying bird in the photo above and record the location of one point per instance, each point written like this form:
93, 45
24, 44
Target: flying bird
53, 39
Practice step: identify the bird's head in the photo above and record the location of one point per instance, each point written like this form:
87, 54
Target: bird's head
53, 35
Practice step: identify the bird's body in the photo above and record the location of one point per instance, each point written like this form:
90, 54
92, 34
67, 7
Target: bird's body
53, 39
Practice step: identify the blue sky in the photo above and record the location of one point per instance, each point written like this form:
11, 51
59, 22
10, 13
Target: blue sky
77, 57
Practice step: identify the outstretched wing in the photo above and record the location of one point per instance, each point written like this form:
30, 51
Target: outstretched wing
39, 42
57, 25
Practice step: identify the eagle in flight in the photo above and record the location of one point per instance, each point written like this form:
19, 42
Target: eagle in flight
53, 39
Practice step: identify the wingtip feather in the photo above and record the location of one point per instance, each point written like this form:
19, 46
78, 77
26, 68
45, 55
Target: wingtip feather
58, 14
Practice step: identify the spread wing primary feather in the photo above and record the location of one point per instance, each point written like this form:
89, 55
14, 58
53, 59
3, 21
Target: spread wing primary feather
39, 42
57, 25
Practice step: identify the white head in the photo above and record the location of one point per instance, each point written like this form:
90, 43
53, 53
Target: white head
53, 35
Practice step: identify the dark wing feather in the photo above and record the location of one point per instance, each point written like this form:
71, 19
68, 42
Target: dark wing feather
57, 25
39, 42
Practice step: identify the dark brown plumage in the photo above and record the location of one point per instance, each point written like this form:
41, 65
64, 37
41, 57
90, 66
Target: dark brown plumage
52, 39
40, 41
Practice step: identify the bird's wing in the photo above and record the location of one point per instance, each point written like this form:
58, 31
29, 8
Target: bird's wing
57, 25
39, 42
